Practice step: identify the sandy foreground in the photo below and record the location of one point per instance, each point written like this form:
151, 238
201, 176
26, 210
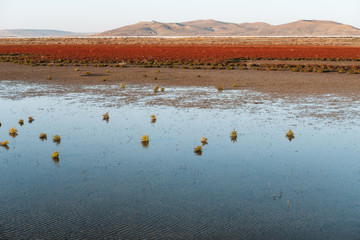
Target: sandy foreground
271, 82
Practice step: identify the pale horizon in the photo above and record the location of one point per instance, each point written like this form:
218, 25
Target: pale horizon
91, 16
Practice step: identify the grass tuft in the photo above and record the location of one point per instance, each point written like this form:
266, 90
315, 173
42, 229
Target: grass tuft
55, 155
198, 150
43, 136
106, 116
57, 139
153, 118
13, 132
290, 135
233, 135
156, 89
31, 119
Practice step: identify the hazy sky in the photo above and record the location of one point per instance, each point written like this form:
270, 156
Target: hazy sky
101, 15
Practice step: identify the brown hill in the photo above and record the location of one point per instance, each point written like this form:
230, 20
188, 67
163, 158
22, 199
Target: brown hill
217, 28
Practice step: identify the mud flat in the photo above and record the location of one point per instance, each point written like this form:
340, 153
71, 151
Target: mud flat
276, 83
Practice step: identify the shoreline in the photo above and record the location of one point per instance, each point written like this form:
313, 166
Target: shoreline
275, 83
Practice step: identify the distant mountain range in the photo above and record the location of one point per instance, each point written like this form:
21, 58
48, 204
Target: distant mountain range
217, 28
39, 33
204, 28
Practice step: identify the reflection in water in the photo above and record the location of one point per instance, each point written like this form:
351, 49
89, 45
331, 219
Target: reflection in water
107, 186
5, 146
145, 144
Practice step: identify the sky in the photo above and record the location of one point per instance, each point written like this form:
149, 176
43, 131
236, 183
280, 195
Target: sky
101, 15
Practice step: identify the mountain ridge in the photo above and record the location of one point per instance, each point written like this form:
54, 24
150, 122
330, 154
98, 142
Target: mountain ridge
212, 27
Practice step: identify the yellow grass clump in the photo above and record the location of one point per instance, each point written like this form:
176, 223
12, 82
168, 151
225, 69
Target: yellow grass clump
290, 135
4, 143
49, 77
21, 122
204, 140
88, 73
55, 154
106, 116
233, 135
145, 138
220, 88
31, 119
122, 85
145, 141
162, 89
153, 118
198, 150
156, 89
235, 85
43, 136
13, 131
57, 139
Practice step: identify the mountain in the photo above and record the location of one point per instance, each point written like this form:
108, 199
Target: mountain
217, 28
38, 33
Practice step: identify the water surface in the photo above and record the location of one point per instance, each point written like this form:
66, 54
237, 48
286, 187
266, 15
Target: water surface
107, 185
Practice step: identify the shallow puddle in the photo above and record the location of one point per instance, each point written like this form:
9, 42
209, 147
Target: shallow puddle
107, 185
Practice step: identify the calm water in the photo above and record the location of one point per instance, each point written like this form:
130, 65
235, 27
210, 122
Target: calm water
107, 185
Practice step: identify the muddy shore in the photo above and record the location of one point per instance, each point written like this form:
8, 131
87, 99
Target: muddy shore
271, 82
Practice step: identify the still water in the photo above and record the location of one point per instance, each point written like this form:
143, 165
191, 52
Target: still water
107, 185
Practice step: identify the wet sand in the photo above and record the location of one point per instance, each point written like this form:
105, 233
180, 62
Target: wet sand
276, 83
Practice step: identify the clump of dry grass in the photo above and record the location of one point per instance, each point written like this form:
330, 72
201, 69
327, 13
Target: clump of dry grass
204, 141
122, 85
13, 132
106, 116
107, 71
21, 122
76, 69
220, 88
43, 136
156, 89
290, 135
88, 73
153, 118
57, 139
162, 89
145, 140
4, 143
235, 85
233, 135
49, 77
155, 78
104, 79
198, 150
55, 156
31, 119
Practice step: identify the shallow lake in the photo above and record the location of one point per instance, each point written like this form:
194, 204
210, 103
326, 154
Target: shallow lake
106, 184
